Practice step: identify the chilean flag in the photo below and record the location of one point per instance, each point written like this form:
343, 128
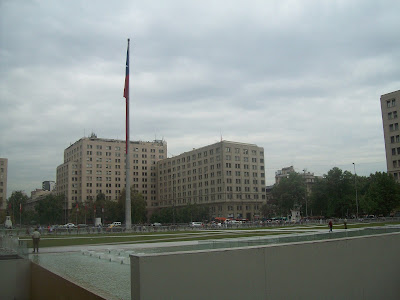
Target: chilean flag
126, 88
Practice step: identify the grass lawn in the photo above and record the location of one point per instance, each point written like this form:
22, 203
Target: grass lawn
96, 239
176, 236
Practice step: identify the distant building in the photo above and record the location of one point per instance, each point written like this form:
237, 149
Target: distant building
48, 185
284, 173
390, 118
228, 177
3, 182
308, 177
95, 165
36, 196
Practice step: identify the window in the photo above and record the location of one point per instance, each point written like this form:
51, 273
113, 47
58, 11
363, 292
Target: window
395, 164
390, 116
393, 151
393, 102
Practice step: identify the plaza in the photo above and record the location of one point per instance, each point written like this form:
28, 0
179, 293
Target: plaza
113, 271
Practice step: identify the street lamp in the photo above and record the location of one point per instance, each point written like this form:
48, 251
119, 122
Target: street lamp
355, 184
305, 195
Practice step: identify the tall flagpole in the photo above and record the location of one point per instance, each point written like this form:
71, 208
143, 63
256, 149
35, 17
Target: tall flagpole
128, 217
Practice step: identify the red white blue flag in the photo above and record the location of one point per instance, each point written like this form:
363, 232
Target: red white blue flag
126, 88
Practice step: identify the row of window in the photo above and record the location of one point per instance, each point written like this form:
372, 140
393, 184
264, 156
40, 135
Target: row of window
393, 127
391, 103
394, 151
392, 115
396, 163
199, 199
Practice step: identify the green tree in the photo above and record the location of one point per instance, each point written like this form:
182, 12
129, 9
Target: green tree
334, 195
50, 209
269, 210
184, 214
290, 192
138, 207
16, 206
382, 194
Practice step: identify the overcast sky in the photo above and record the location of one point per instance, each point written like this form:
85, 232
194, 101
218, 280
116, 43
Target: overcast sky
302, 79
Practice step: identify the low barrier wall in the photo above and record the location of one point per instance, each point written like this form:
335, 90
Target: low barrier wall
15, 278
364, 267
47, 285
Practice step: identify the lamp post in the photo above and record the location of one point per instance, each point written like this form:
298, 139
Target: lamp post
305, 193
355, 184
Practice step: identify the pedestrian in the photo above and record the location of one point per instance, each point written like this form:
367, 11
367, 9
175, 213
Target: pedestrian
36, 239
345, 223
330, 225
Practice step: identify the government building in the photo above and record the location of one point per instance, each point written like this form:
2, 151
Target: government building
93, 165
228, 177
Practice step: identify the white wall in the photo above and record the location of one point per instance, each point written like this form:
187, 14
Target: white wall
349, 268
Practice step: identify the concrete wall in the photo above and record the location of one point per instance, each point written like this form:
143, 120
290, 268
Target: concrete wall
47, 285
349, 268
15, 279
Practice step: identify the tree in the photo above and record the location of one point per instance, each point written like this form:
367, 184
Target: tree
138, 207
334, 195
382, 195
269, 210
184, 214
16, 206
50, 209
290, 192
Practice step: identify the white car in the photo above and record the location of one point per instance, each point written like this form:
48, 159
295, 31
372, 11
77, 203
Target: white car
69, 225
196, 224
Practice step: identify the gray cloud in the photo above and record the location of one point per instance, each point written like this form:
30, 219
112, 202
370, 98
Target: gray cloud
301, 79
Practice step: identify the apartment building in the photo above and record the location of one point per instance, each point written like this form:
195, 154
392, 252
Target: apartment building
94, 165
228, 177
3, 182
390, 104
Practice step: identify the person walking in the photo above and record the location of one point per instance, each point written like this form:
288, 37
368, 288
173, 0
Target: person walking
345, 223
36, 239
330, 225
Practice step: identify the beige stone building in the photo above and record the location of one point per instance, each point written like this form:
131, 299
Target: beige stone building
229, 177
390, 104
3, 182
309, 177
94, 165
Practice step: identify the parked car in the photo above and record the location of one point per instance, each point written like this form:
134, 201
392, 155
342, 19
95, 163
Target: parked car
69, 225
157, 224
115, 224
196, 224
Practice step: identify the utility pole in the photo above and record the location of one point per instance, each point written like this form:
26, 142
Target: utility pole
355, 184
305, 193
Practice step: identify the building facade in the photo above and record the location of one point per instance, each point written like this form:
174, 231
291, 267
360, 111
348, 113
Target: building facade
228, 177
3, 182
390, 110
93, 165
